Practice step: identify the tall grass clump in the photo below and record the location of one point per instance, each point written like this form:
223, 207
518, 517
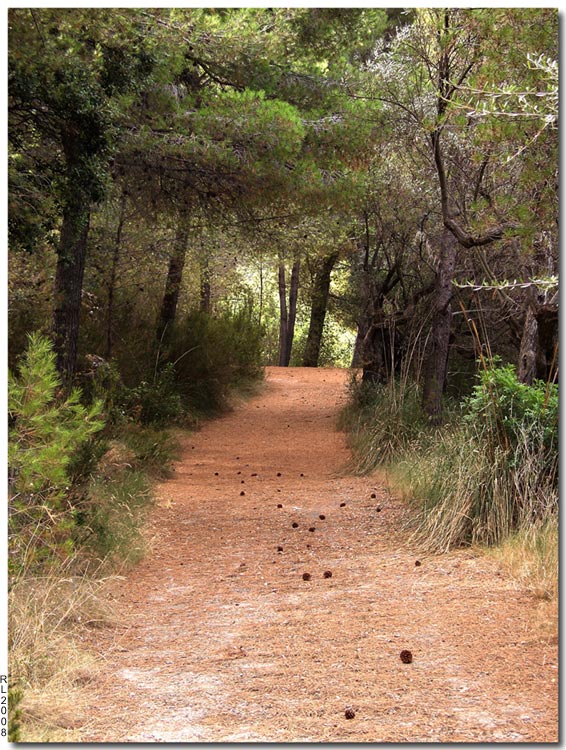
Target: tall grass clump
383, 421
50, 671
487, 476
493, 475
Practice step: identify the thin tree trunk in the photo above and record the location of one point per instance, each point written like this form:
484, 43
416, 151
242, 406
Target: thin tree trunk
288, 314
293, 295
112, 281
69, 277
260, 310
358, 347
283, 316
173, 283
527, 369
437, 364
364, 321
318, 311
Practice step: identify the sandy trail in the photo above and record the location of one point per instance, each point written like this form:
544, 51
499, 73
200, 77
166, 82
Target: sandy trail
226, 642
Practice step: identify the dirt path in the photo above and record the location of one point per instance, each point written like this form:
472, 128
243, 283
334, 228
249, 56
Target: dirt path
226, 641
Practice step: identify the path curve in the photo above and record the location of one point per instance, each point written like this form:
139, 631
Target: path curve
226, 641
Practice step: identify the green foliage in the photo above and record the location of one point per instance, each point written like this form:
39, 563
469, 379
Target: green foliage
483, 476
506, 411
213, 356
158, 402
153, 449
109, 518
44, 431
336, 346
67, 73
114, 501
45, 434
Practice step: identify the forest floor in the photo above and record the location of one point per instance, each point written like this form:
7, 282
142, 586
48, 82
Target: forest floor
222, 640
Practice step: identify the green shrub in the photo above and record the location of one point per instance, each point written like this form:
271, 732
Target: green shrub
112, 506
491, 470
15, 695
158, 402
109, 517
46, 430
511, 414
491, 475
153, 449
213, 356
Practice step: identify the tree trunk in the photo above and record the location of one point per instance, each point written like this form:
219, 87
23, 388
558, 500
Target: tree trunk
318, 311
293, 295
112, 281
538, 353
374, 346
437, 364
69, 277
359, 346
283, 316
287, 315
527, 369
173, 283
364, 321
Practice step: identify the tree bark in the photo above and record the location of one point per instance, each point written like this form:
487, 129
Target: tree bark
364, 319
318, 311
293, 296
437, 363
287, 314
173, 283
112, 281
538, 353
527, 369
283, 316
69, 277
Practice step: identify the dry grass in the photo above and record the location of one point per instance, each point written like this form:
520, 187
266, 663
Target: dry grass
48, 619
531, 557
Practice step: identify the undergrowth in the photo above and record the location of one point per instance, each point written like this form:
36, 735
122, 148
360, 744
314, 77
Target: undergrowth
79, 490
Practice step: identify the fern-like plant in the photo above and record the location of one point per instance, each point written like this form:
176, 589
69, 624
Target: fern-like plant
45, 430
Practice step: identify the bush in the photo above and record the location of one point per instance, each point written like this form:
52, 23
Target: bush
494, 474
158, 402
481, 477
213, 356
110, 516
46, 430
515, 416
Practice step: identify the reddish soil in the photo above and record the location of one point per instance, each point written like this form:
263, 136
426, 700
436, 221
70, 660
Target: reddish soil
225, 641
